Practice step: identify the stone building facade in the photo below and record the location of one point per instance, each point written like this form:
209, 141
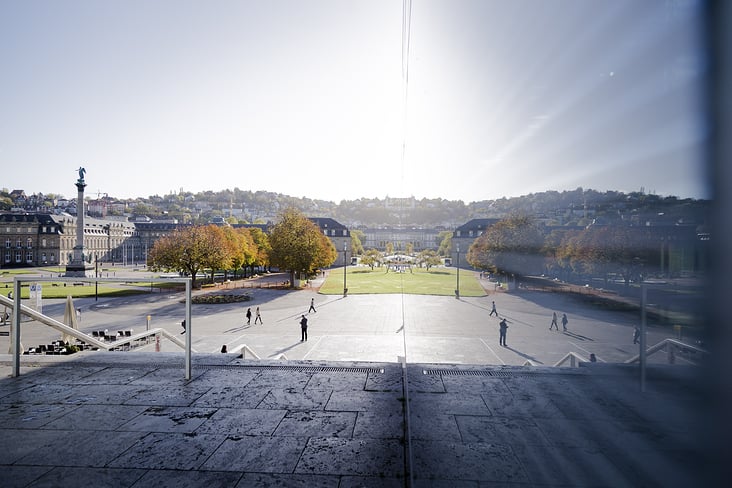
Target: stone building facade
49, 240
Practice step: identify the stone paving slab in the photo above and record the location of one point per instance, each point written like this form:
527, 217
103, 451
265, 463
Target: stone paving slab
133, 420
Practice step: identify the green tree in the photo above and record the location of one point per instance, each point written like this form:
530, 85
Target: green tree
298, 246
428, 258
371, 258
510, 246
445, 243
357, 237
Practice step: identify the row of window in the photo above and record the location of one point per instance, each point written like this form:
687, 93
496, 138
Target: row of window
28, 243
27, 257
333, 232
46, 229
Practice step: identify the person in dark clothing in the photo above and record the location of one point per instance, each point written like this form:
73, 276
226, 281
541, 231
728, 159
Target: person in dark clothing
183, 324
312, 305
493, 310
564, 321
249, 315
502, 333
554, 322
304, 329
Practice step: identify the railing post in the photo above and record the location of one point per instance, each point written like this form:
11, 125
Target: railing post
189, 332
643, 339
15, 330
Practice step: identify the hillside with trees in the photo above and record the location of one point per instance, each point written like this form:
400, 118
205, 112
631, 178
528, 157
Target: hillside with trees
578, 207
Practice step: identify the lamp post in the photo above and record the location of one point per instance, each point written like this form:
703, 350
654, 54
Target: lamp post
345, 289
96, 275
457, 286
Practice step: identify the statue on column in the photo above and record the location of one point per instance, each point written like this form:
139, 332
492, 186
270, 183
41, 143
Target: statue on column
82, 172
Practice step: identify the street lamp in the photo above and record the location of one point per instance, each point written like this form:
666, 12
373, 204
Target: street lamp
345, 289
457, 287
96, 275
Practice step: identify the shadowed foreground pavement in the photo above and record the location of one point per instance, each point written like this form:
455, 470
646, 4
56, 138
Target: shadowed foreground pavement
131, 419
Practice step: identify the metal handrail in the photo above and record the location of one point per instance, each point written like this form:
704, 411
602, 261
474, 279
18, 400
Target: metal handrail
572, 357
243, 349
83, 336
671, 347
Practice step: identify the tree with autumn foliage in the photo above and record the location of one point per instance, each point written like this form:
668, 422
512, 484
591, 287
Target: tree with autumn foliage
243, 248
602, 250
512, 246
190, 250
298, 246
262, 248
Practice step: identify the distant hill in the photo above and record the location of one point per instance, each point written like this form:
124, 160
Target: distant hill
575, 207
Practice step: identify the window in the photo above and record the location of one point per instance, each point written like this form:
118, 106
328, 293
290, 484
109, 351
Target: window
43, 242
18, 256
29, 256
29, 243
7, 243
7, 256
18, 243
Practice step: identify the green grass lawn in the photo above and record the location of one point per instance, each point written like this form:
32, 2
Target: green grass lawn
437, 281
62, 290
89, 290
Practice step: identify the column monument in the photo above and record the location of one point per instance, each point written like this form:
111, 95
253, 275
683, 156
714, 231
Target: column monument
79, 265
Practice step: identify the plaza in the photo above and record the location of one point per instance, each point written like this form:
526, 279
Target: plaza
382, 328
344, 409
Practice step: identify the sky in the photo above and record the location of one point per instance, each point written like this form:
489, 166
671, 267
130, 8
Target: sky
343, 99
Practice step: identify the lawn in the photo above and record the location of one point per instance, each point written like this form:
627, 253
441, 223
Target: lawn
58, 290
437, 281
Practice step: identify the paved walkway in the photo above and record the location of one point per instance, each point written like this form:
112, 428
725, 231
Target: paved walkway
130, 419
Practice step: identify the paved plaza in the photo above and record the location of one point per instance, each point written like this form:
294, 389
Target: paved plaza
341, 410
382, 328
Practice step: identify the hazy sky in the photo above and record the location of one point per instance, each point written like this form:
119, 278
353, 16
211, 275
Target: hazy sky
306, 98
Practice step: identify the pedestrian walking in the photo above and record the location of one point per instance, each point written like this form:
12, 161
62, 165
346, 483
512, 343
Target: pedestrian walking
304, 329
502, 332
636, 335
224, 350
257, 316
554, 322
493, 310
183, 324
312, 305
249, 315
564, 321
78, 315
